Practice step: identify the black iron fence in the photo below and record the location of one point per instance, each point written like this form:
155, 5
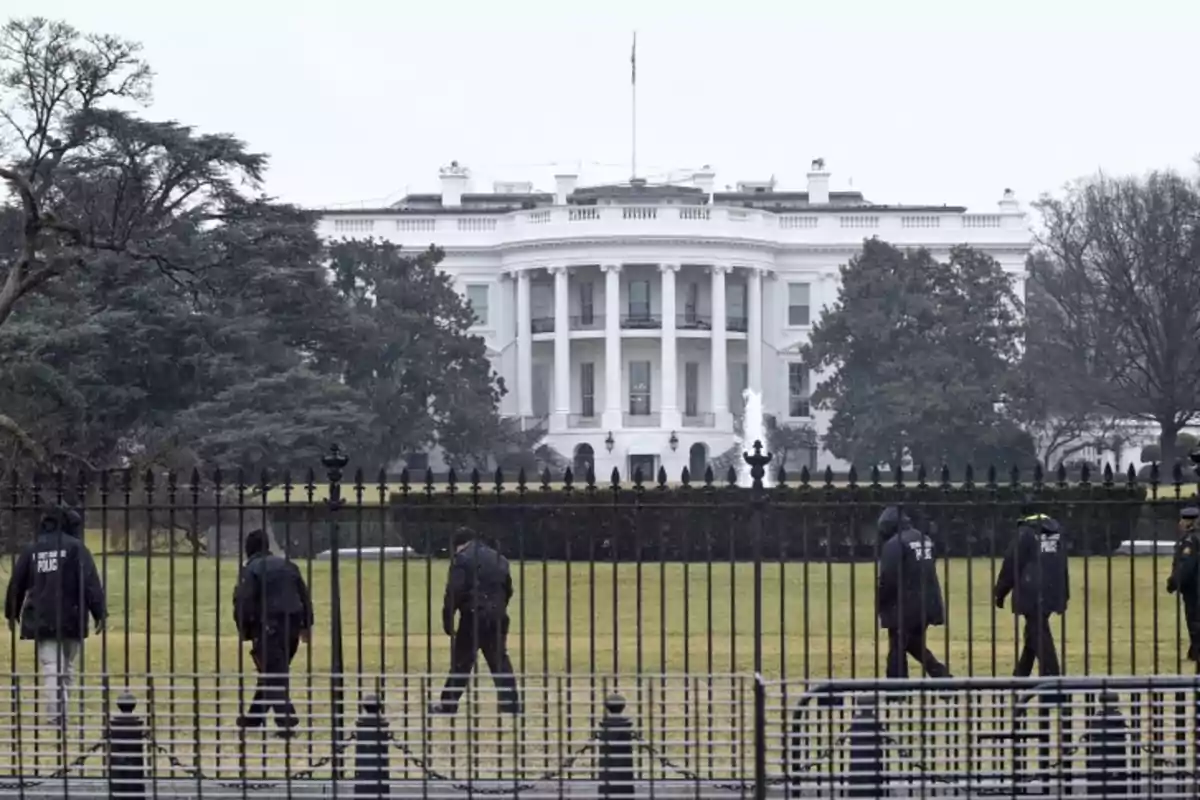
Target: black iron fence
621, 736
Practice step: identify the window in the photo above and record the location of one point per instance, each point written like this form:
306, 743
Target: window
735, 302
739, 380
798, 390
691, 303
477, 299
691, 389
639, 299
798, 299
639, 388
541, 389
587, 389
587, 307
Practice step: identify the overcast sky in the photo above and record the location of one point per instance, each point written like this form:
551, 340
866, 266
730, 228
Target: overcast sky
916, 101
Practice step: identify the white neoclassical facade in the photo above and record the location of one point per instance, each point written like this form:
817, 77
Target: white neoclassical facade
628, 319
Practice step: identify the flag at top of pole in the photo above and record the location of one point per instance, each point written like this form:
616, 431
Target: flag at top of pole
633, 61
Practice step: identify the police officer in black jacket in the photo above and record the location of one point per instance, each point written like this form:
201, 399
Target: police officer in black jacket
273, 611
53, 588
479, 589
1185, 577
1036, 572
909, 597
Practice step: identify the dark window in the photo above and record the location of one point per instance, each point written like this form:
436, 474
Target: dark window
691, 389
639, 388
639, 299
587, 308
587, 389
798, 405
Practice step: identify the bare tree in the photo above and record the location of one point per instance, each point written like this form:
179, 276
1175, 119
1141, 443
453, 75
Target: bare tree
1122, 271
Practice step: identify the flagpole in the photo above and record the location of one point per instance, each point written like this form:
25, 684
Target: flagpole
633, 81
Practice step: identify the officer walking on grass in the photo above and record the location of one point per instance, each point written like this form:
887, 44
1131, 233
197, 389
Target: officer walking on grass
1036, 572
53, 589
909, 596
273, 611
1185, 577
478, 590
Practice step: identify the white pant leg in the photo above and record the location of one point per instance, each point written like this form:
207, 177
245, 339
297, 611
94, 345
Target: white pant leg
56, 658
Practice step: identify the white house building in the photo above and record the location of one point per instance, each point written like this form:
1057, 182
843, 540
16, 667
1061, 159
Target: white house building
628, 319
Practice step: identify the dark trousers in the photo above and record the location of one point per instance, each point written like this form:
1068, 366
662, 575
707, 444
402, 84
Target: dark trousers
481, 635
273, 651
903, 643
1039, 646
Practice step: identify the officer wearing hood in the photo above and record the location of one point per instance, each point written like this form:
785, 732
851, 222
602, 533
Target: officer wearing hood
1036, 572
1185, 577
909, 596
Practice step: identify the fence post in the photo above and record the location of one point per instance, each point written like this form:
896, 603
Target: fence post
758, 499
334, 462
760, 738
126, 751
866, 738
371, 775
1105, 751
615, 762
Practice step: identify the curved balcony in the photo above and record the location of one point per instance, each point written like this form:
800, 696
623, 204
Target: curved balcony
641, 322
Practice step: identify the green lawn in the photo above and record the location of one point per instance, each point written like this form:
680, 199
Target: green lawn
173, 616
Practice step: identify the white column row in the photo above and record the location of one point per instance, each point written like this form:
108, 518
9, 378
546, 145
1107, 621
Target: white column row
613, 403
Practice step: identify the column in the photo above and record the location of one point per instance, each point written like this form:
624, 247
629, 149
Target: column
720, 369
754, 326
612, 347
562, 350
524, 347
668, 407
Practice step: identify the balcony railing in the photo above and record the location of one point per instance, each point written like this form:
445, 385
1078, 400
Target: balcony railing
587, 322
583, 421
737, 324
694, 322
650, 420
704, 419
641, 321
541, 325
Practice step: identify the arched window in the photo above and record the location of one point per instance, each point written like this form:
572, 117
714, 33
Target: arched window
585, 459
697, 461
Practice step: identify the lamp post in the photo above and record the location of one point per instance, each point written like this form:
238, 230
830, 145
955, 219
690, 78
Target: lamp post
334, 462
758, 463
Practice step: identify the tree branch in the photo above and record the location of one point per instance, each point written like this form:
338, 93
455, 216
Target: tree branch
14, 429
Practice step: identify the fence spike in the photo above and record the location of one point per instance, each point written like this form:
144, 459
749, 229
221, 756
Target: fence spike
615, 479
451, 481
568, 479
1085, 474
898, 473
852, 476
805, 476
216, 480
196, 484
875, 476
637, 478
991, 476
781, 478
969, 476
945, 477
148, 483
1061, 475
310, 484
662, 477
405, 482
1131, 476
922, 476
382, 484
685, 478
1014, 476
475, 480
60, 482
429, 485
104, 476
359, 485
829, 477
1154, 475
708, 476
1108, 475
731, 476
522, 482
499, 479
1039, 475
590, 477
1177, 476
546, 479
264, 482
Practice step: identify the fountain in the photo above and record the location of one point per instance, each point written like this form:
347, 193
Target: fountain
753, 429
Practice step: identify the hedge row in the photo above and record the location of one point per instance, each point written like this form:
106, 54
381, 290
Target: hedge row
725, 524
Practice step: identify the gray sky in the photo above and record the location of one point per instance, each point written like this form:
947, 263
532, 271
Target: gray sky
914, 100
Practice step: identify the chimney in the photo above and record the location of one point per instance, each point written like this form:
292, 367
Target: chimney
818, 183
564, 185
703, 179
454, 183
1008, 203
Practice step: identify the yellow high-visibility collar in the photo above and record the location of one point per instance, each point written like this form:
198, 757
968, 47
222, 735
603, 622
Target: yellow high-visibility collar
1035, 518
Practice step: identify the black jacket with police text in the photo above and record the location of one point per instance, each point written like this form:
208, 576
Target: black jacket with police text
480, 585
271, 592
54, 587
909, 592
1185, 579
1036, 569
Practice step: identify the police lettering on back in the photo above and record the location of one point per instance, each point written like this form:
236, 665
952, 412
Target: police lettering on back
48, 561
922, 550
1049, 543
